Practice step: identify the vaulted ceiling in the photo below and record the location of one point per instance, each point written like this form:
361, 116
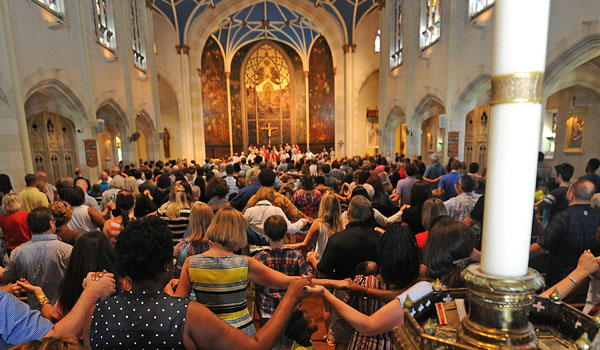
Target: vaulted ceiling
266, 19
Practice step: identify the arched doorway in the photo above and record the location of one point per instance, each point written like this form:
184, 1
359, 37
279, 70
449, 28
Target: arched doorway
433, 127
55, 123
172, 139
146, 142
476, 136
113, 140
395, 132
52, 139
267, 96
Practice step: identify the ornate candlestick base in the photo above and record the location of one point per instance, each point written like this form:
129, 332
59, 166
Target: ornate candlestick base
499, 310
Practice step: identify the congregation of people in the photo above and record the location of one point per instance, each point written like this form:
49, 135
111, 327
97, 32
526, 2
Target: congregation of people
165, 254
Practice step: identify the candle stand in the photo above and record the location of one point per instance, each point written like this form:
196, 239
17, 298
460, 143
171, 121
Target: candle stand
504, 313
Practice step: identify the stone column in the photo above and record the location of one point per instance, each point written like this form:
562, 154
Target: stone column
151, 71
307, 109
186, 117
349, 51
19, 103
227, 74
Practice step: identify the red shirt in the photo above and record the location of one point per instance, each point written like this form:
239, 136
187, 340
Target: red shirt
421, 240
15, 228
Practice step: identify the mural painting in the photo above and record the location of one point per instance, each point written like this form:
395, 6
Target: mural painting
267, 84
321, 94
214, 97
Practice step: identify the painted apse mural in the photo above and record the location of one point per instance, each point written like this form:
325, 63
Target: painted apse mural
267, 97
321, 96
214, 100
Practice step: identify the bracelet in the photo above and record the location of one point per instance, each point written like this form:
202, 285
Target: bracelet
572, 279
43, 301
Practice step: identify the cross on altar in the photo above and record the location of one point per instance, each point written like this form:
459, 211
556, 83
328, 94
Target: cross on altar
269, 129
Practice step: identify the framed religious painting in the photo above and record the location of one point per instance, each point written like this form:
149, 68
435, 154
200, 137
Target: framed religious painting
429, 142
575, 124
372, 134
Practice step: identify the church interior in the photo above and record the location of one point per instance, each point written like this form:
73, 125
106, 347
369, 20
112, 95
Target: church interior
195, 79
92, 87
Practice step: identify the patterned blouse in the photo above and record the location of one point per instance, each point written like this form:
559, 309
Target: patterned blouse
307, 202
368, 306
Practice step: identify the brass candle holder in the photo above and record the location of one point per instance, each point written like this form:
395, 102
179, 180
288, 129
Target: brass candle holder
504, 313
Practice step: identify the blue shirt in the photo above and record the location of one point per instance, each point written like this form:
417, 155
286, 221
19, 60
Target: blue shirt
447, 184
42, 261
240, 200
18, 323
434, 171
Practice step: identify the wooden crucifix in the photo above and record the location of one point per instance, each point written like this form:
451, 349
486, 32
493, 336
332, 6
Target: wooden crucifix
269, 129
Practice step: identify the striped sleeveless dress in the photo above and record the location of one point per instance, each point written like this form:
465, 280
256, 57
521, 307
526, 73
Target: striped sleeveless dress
219, 283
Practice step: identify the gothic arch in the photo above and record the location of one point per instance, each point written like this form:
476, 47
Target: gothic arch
55, 97
394, 119
116, 124
428, 106
579, 53
426, 116
147, 143
197, 34
255, 46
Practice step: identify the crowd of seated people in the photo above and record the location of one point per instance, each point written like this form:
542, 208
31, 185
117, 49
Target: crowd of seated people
164, 254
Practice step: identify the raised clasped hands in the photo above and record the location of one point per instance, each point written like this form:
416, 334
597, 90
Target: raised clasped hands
588, 263
102, 284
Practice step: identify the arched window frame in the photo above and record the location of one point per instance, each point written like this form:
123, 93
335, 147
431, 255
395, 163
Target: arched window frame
104, 26
397, 43
55, 7
431, 23
477, 7
138, 46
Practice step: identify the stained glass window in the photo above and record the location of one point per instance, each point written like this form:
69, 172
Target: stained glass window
431, 19
53, 6
477, 7
103, 23
267, 83
377, 43
396, 44
137, 38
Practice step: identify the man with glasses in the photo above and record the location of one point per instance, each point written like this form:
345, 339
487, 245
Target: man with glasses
42, 261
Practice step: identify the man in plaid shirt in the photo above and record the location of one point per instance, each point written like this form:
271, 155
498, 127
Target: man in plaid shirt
288, 261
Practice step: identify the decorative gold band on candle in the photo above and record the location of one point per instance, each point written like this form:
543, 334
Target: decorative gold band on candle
517, 88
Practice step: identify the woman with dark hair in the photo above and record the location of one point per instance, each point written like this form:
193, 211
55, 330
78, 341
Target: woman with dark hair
307, 198
85, 219
202, 184
125, 204
217, 191
397, 268
163, 187
145, 255
420, 191
92, 252
447, 253
5, 187
381, 199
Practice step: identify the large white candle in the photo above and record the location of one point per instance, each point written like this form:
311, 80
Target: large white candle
520, 36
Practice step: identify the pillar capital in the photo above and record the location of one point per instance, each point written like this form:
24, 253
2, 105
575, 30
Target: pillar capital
348, 47
182, 49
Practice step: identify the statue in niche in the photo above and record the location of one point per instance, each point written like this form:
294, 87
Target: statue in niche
166, 143
575, 129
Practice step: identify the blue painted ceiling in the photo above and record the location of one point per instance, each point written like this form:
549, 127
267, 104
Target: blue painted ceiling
265, 19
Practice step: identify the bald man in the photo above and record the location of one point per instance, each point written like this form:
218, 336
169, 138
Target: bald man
569, 233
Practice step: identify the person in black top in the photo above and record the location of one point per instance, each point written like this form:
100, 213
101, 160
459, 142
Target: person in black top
556, 201
344, 251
